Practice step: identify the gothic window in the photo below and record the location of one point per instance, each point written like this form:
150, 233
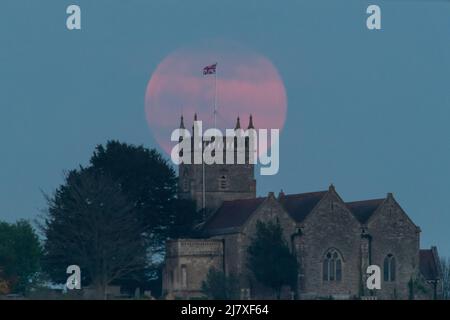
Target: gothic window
332, 266
172, 278
389, 268
183, 276
223, 183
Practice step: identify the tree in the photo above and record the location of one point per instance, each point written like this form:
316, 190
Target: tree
90, 223
219, 286
150, 184
445, 267
269, 258
20, 253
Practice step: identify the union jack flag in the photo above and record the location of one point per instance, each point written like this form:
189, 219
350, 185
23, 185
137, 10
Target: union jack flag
210, 69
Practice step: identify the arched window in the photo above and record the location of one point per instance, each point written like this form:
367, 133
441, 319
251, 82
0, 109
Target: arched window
332, 266
389, 268
223, 183
183, 276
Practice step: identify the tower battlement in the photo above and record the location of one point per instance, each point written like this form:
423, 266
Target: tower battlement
210, 185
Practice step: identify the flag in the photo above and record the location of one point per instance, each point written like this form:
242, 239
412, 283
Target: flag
210, 69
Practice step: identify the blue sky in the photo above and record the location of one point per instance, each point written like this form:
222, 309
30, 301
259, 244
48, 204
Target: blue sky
367, 110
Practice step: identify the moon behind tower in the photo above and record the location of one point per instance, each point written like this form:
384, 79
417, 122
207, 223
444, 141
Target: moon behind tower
247, 83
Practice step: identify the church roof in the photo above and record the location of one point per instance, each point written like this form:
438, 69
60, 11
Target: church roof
298, 206
363, 210
429, 264
232, 214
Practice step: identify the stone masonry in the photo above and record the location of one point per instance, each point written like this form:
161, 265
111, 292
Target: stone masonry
333, 240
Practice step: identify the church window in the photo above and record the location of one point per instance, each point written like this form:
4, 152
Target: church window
332, 266
183, 276
223, 183
389, 268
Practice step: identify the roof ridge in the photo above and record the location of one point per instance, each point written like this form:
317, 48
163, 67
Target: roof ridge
357, 201
239, 200
304, 193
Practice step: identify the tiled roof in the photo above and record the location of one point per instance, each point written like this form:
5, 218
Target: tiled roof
298, 206
232, 214
363, 210
429, 264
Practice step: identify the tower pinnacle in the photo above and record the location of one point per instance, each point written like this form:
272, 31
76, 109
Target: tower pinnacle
182, 122
250, 123
238, 124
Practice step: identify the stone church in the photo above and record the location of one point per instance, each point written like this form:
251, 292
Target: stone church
334, 240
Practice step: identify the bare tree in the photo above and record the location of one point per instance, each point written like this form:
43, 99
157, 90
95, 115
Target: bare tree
90, 223
445, 267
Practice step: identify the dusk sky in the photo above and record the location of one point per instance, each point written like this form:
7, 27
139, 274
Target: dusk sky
368, 111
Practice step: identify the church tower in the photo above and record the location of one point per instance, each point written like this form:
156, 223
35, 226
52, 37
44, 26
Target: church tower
210, 185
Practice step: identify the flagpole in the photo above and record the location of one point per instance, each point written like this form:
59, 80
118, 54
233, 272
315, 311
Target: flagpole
215, 97
215, 126
203, 178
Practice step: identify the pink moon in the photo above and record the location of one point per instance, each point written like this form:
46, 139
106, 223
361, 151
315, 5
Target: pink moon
247, 84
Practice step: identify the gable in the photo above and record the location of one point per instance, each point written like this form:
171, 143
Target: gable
390, 211
330, 210
429, 264
231, 215
299, 206
363, 210
270, 211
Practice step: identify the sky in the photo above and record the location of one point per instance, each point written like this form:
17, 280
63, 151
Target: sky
366, 110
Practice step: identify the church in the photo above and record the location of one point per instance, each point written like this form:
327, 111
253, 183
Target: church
334, 241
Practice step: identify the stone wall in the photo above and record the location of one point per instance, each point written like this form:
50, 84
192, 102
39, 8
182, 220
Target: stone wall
222, 183
394, 233
270, 210
187, 263
329, 226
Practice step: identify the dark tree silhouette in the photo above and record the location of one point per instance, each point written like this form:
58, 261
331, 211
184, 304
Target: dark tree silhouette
20, 254
146, 185
445, 268
269, 258
90, 223
219, 286
150, 183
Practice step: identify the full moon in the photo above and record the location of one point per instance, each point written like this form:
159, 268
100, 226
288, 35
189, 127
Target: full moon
247, 84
